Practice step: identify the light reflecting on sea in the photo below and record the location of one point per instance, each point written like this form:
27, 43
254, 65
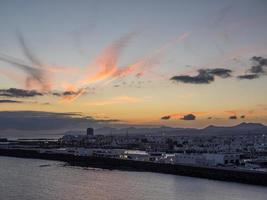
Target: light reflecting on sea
29, 179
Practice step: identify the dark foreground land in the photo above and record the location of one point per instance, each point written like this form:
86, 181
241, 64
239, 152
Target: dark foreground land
223, 174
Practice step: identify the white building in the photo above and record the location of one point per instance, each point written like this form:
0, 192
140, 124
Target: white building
136, 155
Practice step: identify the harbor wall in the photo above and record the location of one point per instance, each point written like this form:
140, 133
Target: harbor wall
223, 174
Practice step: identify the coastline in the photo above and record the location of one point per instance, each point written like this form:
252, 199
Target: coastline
215, 173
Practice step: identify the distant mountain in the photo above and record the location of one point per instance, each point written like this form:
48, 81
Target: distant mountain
243, 128
245, 125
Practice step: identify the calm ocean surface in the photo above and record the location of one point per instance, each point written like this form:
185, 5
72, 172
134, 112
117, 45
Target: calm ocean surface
29, 179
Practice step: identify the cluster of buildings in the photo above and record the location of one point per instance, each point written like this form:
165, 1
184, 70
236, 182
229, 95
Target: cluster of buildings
230, 150
249, 144
249, 151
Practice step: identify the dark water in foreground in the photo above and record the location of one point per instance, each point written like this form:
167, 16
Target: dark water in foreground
29, 179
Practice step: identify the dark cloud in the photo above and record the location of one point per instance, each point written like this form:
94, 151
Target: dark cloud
257, 70
70, 95
209, 117
201, 78
204, 76
188, 117
242, 116
221, 72
19, 93
5, 101
22, 93
248, 76
167, 117
260, 60
260, 63
65, 93
9, 101
58, 94
35, 120
233, 117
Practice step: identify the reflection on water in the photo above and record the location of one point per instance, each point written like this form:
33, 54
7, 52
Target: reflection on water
28, 179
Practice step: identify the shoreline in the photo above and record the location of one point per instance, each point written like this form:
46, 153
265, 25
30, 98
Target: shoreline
222, 174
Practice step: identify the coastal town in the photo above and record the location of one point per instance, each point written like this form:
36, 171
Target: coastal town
242, 151
133, 100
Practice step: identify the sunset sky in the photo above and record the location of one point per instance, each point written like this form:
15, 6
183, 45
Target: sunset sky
175, 63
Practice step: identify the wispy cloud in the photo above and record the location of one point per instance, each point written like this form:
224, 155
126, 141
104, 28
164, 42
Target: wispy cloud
147, 62
36, 75
39, 75
36, 78
28, 53
107, 61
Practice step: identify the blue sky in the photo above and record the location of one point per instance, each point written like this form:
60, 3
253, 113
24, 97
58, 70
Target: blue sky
70, 27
